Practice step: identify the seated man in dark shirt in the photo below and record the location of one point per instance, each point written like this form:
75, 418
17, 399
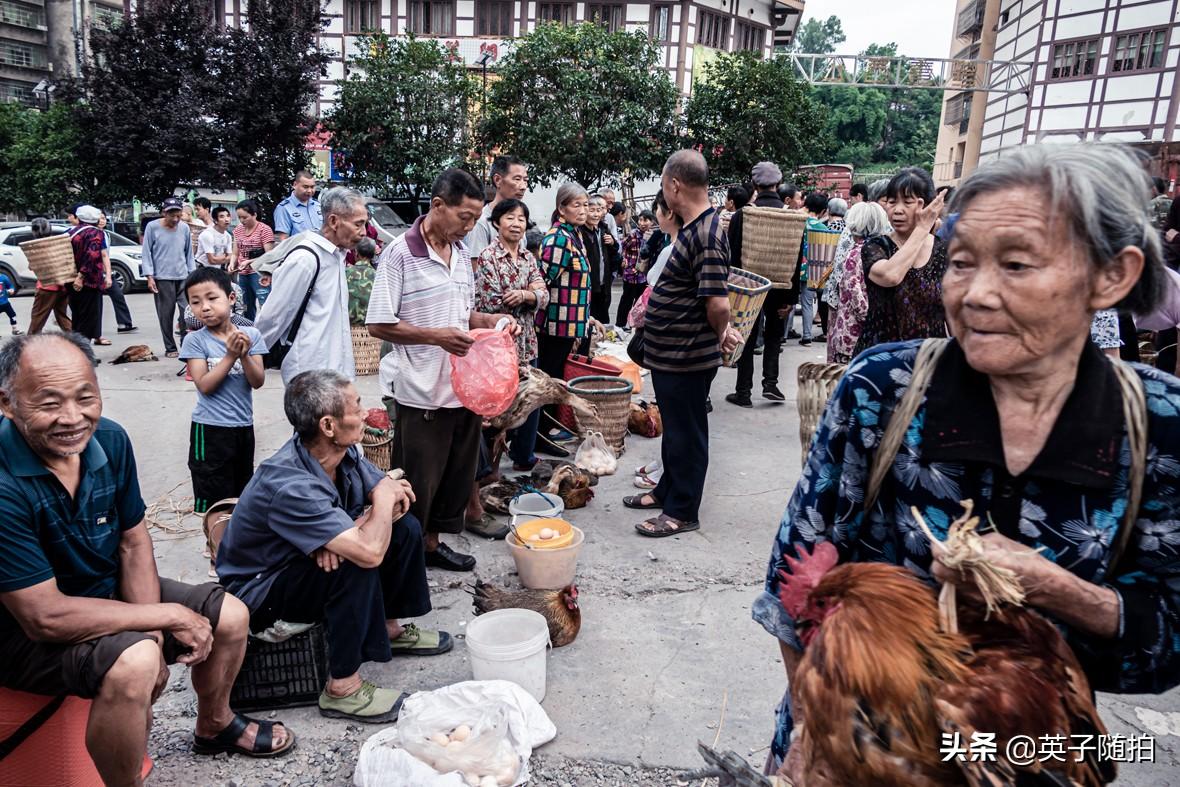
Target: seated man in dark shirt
302, 548
82, 610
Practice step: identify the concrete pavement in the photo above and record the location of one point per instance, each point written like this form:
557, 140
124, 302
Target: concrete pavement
666, 642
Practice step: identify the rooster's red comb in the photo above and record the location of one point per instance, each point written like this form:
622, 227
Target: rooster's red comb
806, 571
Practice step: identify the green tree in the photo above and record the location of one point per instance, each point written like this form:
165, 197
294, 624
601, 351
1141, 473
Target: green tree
402, 115
39, 164
582, 103
744, 110
819, 38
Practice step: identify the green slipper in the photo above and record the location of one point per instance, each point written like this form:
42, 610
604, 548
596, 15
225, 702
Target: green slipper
369, 704
420, 642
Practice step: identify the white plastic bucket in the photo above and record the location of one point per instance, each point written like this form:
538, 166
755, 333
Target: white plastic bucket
535, 505
510, 644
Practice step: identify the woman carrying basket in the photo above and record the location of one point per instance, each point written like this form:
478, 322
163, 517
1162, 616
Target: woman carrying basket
1067, 455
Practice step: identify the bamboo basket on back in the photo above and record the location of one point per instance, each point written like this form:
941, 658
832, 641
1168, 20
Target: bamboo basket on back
747, 293
817, 382
771, 241
51, 259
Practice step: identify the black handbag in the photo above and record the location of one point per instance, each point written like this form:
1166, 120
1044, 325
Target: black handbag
276, 355
635, 347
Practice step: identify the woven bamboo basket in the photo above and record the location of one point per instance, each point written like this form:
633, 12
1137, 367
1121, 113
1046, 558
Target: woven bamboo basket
195, 229
611, 398
747, 293
821, 256
771, 240
817, 381
366, 351
378, 448
51, 259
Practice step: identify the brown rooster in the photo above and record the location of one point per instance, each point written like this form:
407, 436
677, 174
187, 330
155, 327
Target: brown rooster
559, 607
879, 684
572, 484
536, 389
136, 353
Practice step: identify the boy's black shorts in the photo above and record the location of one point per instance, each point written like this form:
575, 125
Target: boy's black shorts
221, 460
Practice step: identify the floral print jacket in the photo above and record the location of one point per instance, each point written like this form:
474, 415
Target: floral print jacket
495, 274
1069, 504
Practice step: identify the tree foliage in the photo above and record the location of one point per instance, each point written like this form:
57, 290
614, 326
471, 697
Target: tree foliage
819, 38
744, 110
402, 115
582, 103
39, 164
171, 100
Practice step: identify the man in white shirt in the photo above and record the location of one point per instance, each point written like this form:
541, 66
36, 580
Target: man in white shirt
215, 244
423, 302
322, 339
510, 178
608, 196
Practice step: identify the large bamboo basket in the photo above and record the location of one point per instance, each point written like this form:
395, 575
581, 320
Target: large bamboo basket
366, 351
817, 382
378, 448
195, 229
821, 256
51, 259
611, 398
747, 293
771, 240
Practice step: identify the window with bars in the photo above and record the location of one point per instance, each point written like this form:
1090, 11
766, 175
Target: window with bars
13, 53
1074, 59
748, 37
712, 30
1140, 51
431, 17
493, 18
562, 13
16, 91
361, 15
608, 15
21, 15
661, 23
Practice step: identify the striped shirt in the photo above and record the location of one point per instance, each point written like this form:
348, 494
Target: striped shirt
677, 334
414, 284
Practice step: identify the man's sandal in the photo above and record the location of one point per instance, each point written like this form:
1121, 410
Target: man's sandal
414, 641
663, 526
227, 739
636, 501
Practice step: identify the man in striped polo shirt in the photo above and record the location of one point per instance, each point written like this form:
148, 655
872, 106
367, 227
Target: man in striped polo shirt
686, 331
423, 302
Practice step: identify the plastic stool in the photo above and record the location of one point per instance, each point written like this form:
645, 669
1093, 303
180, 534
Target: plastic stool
55, 755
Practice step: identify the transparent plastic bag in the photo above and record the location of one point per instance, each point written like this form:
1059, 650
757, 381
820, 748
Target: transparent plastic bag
595, 456
486, 378
487, 750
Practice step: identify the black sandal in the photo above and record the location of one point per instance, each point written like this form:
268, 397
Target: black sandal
227, 739
663, 526
636, 501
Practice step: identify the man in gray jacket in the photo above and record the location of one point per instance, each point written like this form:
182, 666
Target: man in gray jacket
167, 261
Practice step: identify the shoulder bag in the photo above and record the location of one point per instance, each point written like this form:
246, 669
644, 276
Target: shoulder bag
276, 355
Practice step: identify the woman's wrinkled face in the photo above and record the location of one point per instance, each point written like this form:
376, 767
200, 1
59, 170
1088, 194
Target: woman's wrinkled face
1016, 292
512, 227
903, 212
576, 211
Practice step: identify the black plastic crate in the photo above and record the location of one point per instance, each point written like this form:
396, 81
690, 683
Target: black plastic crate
286, 674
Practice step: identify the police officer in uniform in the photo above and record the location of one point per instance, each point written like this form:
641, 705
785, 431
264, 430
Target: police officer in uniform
301, 210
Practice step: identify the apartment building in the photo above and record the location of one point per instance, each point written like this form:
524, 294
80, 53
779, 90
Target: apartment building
974, 38
1102, 70
24, 49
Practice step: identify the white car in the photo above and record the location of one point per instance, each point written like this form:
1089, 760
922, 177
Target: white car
125, 257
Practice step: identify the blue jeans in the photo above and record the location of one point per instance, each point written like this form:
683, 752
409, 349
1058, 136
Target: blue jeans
807, 300
250, 293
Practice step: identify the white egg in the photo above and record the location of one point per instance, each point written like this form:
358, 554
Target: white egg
547, 533
461, 733
535, 537
488, 781
440, 738
456, 744
471, 779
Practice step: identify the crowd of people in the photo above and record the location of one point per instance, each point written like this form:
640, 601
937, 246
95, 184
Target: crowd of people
319, 535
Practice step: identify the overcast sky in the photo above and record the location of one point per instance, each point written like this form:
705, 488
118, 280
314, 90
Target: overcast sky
921, 28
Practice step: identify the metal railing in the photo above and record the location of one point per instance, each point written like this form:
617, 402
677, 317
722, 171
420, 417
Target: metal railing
21, 16
988, 76
970, 19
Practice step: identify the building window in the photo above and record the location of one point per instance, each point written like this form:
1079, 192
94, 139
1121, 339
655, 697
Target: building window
661, 23
21, 15
432, 17
712, 30
1074, 59
562, 13
609, 16
361, 15
13, 53
1140, 51
11, 90
493, 18
748, 37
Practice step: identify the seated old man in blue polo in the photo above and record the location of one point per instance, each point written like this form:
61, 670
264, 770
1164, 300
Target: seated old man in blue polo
82, 609
303, 548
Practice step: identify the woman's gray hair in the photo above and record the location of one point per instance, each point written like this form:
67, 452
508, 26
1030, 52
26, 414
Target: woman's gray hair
1100, 190
566, 193
311, 396
866, 220
877, 189
837, 207
341, 201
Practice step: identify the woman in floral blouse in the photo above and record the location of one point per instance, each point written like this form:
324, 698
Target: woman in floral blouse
566, 271
1024, 417
507, 281
865, 220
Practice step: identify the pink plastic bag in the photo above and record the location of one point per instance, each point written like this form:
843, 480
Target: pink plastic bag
486, 379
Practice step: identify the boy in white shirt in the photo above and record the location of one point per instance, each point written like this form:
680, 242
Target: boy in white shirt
215, 243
